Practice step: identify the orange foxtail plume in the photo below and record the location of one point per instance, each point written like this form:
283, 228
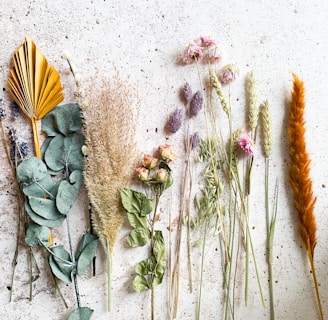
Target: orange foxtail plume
299, 176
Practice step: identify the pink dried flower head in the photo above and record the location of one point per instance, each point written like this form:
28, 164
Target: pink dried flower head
149, 161
192, 53
196, 104
161, 175
246, 143
142, 173
166, 152
175, 121
214, 55
187, 92
207, 41
228, 73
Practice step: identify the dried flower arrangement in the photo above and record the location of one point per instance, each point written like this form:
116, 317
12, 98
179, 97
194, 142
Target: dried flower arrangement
49, 181
223, 205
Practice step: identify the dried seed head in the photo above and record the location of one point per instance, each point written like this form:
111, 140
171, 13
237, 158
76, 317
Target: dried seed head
175, 121
196, 104
266, 127
187, 92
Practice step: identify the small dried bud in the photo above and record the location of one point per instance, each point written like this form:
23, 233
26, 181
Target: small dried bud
161, 175
149, 161
66, 55
175, 121
196, 104
187, 92
142, 173
195, 140
166, 152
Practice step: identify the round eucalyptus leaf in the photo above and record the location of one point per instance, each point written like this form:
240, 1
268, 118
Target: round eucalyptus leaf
58, 272
72, 150
46, 208
42, 221
86, 256
68, 191
35, 234
63, 119
32, 169
53, 156
81, 313
40, 188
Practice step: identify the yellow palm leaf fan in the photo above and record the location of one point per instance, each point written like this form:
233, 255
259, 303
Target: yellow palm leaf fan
34, 85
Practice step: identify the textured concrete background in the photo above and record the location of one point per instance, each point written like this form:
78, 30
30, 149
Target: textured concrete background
143, 39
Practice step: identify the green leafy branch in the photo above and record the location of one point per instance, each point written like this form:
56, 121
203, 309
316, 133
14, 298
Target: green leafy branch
51, 187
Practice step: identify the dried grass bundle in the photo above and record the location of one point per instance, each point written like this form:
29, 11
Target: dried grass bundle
110, 125
299, 173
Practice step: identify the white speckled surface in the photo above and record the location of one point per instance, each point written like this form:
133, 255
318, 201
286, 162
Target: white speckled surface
143, 39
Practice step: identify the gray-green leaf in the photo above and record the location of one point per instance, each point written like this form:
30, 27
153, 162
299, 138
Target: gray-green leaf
61, 264
81, 313
136, 221
35, 234
63, 119
32, 169
68, 191
86, 252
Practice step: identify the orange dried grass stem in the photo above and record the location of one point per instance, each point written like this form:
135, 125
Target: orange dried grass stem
299, 177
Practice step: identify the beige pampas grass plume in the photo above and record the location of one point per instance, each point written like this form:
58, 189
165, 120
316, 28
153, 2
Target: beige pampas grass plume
110, 126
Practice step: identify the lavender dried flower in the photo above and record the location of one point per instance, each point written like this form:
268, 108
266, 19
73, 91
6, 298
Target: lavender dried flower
196, 104
187, 92
175, 121
195, 140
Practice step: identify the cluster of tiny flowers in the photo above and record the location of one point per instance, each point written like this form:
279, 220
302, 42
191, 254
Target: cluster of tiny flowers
19, 150
205, 49
2, 113
150, 171
14, 109
246, 143
228, 73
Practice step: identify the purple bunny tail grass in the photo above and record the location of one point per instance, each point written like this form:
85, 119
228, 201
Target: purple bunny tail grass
196, 104
175, 121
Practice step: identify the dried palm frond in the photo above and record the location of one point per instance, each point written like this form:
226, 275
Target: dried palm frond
110, 125
299, 176
34, 85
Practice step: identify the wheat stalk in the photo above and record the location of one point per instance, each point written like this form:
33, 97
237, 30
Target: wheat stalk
299, 177
110, 125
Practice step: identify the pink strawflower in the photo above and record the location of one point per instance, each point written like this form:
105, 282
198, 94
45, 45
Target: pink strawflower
246, 143
142, 173
228, 73
192, 53
207, 42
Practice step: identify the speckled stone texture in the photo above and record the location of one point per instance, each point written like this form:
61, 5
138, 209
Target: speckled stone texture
143, 40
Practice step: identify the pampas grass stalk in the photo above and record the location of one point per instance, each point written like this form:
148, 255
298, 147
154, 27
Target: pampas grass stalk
110, 125
299, 177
